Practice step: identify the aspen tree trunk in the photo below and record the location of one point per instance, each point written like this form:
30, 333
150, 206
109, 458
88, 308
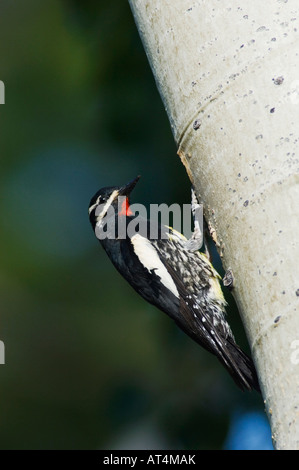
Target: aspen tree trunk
228, 74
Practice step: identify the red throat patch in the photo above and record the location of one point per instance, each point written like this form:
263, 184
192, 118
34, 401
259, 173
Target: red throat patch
125, 208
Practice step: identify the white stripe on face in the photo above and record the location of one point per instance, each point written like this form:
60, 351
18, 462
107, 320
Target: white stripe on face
149, 258
93, 206
106, 206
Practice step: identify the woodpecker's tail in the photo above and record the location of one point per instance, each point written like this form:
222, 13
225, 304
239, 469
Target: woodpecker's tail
241, 367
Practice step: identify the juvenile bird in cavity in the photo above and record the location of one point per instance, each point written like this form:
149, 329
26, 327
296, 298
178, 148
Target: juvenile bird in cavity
171, 273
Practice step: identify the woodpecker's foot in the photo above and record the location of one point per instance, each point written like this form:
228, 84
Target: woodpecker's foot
194, 201
228, 280
195, 242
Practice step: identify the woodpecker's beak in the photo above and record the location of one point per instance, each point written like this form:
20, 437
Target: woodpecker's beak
128, 188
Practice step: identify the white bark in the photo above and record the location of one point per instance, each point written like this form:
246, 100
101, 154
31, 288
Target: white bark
228, 74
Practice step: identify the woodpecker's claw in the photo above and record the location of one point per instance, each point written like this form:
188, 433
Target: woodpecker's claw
194, 199
228, 279
195, 242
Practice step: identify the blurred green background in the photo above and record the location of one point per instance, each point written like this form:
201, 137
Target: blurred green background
90, 365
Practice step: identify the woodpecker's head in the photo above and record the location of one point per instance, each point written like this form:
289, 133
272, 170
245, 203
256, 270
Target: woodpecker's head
107, 197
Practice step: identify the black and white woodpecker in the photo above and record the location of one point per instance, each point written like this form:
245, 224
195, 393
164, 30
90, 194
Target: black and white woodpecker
171, 273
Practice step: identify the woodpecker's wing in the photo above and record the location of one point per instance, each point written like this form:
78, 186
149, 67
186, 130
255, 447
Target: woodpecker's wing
197, 279
201, 327
202, 314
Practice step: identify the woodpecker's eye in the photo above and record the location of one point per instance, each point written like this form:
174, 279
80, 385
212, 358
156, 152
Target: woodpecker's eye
102, 199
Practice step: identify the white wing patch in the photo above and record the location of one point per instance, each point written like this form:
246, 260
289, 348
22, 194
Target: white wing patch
149, 257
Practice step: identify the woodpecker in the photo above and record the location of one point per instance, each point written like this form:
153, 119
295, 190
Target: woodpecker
172, 274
